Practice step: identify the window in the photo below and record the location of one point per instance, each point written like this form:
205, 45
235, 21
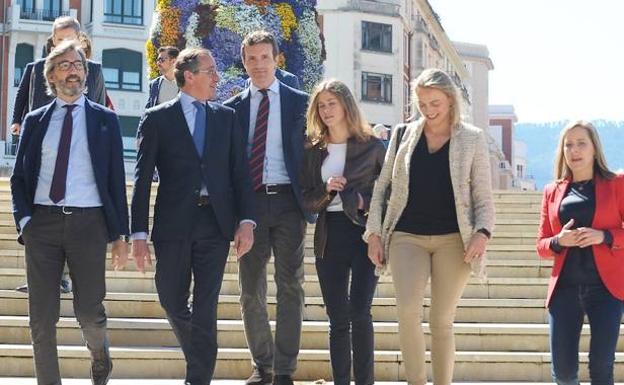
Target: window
123, 11
27, 5
122, 69
376, 87
51, 9
24, 54
376, 36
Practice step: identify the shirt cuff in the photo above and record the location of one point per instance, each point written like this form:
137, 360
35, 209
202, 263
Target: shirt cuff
253, 223
26, 219
608, 238
555, 246
140, 236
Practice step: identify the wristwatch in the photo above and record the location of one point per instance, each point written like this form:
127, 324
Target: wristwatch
485, 232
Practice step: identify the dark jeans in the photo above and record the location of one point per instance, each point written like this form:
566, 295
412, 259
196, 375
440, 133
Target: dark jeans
568, 306
281, 228
348, 309
53, 239
203, 256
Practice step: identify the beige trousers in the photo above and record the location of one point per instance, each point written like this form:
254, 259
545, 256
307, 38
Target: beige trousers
413, 260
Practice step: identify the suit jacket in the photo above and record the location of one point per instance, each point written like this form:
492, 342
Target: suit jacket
363, 163
154, 90
293, 120
32, 94
469, 164
608, 215
106, 149
285, 77
165, 142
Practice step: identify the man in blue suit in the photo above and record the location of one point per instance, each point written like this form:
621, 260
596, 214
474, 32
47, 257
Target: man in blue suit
204, 200
272, 117
164, 87
69, 201
31, 92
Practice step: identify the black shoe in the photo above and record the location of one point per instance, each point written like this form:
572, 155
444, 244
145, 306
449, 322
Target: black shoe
259, 377
22, 288
282, 379
66, 286
101, 367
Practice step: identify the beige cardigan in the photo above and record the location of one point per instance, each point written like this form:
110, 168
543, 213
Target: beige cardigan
470, 176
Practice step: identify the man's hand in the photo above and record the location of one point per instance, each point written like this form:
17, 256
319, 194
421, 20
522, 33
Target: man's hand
16, 128
141, 254
375, 250
243, 239
119, 254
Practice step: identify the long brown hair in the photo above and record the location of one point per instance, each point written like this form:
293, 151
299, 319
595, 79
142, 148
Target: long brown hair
317, 131
562, 171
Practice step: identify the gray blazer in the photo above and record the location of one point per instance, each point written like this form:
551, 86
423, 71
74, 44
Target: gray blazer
470, 177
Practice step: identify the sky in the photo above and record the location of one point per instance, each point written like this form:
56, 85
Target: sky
553, 59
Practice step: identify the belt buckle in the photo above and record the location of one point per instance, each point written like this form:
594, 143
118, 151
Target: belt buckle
268, 190
65, 211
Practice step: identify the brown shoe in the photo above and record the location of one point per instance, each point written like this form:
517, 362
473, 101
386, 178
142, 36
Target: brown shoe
259, 377
101, 367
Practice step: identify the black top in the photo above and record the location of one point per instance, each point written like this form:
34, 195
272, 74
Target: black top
430, 208
579, 203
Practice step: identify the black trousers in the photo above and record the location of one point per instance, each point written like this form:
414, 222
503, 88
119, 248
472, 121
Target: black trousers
201, 257
348, 308
53, 239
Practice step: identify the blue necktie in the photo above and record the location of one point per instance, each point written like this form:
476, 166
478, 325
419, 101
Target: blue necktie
199, 133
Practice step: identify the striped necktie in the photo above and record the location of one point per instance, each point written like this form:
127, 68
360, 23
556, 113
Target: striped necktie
258, 149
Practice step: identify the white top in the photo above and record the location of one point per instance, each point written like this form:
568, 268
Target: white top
168, 90
334, 165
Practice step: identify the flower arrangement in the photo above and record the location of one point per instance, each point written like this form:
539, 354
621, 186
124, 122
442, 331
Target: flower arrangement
220, 26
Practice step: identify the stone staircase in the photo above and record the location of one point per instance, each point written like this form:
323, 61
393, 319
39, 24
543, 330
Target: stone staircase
501, 324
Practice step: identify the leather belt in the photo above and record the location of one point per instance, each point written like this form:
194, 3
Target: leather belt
66, 210
204, 200
272, 189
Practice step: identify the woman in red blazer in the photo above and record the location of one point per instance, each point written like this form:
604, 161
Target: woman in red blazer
581, 227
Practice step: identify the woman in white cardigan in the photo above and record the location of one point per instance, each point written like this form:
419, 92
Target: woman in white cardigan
438, 220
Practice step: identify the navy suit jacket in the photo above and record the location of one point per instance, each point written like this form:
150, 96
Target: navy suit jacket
106, 149
154, 90
293, 105
32, 94
165, 142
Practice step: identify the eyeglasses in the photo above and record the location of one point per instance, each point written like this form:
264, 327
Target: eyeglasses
67, 65
210, 72
161, 59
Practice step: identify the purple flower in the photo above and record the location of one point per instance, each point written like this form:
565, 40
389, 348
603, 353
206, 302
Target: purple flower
225, 47
186, 8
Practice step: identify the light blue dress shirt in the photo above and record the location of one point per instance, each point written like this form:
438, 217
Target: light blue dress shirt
274, 169
81, 189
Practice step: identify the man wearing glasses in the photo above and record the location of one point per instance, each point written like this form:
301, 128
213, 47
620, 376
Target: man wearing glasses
69, 201
204, 200
164, 87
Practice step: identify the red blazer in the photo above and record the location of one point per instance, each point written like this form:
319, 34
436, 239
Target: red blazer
609, 215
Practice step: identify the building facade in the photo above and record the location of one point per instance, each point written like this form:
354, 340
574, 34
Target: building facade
118, 30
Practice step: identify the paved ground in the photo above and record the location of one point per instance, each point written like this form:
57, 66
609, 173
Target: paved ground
31, 381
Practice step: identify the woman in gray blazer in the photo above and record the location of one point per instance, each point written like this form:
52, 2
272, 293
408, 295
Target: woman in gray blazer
435, 191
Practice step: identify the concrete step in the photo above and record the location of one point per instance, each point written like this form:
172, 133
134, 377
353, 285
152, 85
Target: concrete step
144, 381
135, 282
157, 332
143, 305
133, 362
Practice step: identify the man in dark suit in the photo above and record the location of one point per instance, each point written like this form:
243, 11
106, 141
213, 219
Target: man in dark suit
69, 201
31, 92
164, 87
204, 200
272, 116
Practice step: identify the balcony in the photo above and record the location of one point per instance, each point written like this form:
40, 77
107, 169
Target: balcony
41, 14
34, 20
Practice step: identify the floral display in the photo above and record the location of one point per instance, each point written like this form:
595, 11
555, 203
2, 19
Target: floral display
220, 26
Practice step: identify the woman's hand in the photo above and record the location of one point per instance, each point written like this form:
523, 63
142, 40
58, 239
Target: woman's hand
567, 237
476, 247
588, 236
375, 250
335, 183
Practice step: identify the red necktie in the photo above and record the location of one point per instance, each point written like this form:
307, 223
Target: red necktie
59, 179
258, 149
